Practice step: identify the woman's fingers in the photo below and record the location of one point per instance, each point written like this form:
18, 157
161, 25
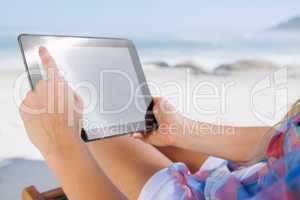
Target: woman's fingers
137, 135
28, 105
46, 58
144, 137
55, 92
49, 65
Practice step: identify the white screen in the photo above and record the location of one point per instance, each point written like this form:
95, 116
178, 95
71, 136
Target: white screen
106, 80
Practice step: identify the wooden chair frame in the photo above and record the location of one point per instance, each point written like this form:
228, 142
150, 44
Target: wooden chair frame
31, 193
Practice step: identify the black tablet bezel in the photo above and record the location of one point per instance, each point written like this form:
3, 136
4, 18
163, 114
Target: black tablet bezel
27, 41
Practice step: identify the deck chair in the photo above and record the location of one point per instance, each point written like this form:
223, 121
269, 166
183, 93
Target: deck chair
31, 193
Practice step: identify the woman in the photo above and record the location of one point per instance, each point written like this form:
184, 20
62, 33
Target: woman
160, 165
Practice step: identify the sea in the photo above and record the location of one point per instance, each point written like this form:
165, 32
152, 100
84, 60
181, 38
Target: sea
278, 48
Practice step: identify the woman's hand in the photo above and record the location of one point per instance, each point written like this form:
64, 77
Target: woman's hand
171, 124
52, 112
55, 131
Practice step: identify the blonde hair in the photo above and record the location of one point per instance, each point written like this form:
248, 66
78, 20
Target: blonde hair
266, 138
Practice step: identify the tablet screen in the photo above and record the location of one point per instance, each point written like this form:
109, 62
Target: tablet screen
107, 81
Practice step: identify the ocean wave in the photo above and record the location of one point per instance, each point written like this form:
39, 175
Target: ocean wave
226, 68
192, 66
195, 65
246, 65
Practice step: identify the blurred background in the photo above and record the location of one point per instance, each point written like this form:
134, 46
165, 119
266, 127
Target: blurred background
246, 55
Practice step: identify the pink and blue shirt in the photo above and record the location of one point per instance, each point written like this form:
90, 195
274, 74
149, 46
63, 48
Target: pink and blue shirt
277, 176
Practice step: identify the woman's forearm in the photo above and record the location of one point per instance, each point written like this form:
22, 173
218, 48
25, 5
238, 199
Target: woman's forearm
233, 143
80, 176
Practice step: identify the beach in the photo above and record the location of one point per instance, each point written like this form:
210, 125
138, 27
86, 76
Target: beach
227, 98
222, 62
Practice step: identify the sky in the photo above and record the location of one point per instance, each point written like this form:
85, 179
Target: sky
172, 19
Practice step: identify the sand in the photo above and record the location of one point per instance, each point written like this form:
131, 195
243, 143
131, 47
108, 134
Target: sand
22, 165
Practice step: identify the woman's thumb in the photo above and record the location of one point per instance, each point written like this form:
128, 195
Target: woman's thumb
161, 108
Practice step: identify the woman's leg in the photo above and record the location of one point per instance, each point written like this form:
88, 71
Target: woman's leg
192, 159
128, 162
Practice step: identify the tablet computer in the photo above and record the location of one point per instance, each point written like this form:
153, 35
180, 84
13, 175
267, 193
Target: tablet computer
105, 72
